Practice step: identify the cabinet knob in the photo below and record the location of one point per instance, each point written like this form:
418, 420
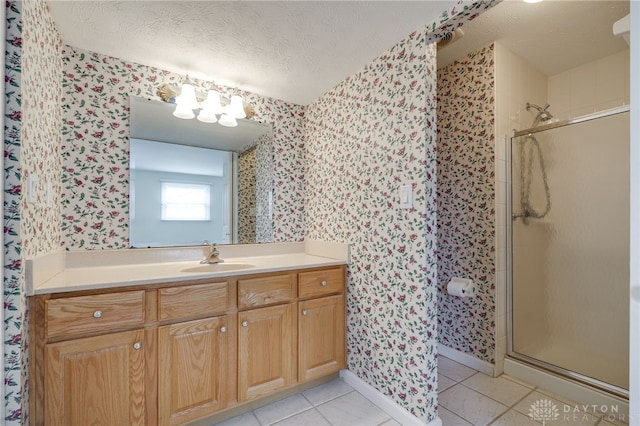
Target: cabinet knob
137, 345
223, 329
305, 312
97, 314
323, 283
245, 323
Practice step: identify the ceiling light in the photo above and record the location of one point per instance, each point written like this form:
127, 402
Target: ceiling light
188, 101
532, 1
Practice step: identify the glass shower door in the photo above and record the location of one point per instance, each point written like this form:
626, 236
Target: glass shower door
570, 248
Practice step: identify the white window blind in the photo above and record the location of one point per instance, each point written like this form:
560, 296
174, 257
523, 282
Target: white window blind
185, 201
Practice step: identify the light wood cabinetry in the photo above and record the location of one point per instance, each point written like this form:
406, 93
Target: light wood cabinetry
321, 337
266, 351
193, 372
172, 353
96, 380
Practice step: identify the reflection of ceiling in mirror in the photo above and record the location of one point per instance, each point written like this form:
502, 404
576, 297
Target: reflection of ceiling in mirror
154, 121
167, 157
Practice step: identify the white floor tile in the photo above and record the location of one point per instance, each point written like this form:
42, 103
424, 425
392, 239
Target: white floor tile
352, 409
471, 405
513, 418
450, 419
444, 383
500, 389
328, 391
280, 410
306, 418
454, 370
246, 419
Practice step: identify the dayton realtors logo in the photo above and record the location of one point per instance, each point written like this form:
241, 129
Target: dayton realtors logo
544, 410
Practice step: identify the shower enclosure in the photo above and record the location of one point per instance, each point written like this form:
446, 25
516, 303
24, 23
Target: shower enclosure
569, 248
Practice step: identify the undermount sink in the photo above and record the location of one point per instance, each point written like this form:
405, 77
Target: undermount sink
218, 267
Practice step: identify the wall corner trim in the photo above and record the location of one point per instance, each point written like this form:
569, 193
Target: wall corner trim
466, 359
385, 403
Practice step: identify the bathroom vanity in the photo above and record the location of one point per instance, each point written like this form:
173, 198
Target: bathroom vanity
173, 351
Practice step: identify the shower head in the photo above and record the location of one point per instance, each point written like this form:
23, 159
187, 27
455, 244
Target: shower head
543, 114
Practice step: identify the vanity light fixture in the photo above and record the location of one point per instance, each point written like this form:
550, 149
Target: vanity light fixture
211, 107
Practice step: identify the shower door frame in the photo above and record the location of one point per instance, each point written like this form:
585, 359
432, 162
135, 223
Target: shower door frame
572, 375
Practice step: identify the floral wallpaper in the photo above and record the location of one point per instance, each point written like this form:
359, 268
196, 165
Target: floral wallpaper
32, 141
364, 138
466, 202
247, 197
13, 294
371, 133
264, 189
254, 187
95, 129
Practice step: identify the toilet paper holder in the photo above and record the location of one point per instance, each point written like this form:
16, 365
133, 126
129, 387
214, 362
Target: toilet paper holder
461, 287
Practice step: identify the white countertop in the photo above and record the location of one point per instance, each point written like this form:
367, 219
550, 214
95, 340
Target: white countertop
75, 278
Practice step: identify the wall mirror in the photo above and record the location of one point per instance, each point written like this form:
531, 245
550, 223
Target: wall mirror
194, 183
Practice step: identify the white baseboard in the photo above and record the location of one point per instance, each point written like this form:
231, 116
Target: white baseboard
466, 359
385, 403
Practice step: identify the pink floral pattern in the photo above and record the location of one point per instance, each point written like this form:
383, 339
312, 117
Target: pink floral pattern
95, 190
254, 186
247, 164
32, 143
466, 202
364, 138
14, 308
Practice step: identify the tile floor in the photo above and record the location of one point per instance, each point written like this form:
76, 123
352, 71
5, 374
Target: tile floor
466, 397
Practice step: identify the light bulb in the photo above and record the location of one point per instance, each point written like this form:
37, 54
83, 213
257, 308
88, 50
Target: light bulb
213, 102
183, 111
188, 97
228, 120
236, 107
207, 116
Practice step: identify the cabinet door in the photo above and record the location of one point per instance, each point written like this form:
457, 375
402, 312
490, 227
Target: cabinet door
193, 366
321, 337
96, 380
266, 351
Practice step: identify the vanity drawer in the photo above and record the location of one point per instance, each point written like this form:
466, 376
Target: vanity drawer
193, 301
320, 283
265, 291
72, 316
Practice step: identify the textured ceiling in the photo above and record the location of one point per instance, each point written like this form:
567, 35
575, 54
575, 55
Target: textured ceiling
290, 50
298, 50
553, 36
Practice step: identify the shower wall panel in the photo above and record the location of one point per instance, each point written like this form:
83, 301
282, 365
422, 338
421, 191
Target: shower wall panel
571, 266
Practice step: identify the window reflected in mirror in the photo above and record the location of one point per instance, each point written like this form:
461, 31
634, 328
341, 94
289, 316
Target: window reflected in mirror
192, 183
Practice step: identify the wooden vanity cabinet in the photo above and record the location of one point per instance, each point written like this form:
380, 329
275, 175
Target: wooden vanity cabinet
321, 323
266, 335
96, 380
193, 368
169, 354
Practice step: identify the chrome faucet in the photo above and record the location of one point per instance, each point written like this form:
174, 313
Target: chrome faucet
212, 257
